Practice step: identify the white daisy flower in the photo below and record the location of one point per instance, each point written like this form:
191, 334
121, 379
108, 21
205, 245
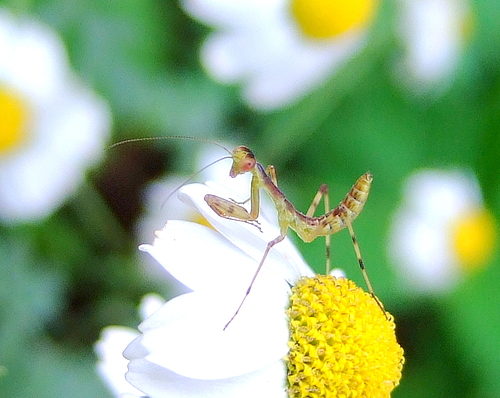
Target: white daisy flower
280, 50
112, 366
441, 229
265, 351
51, 126
434, 33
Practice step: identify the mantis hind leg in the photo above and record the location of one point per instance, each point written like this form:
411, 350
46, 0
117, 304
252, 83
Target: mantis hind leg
264, 256
322, 194
362, 265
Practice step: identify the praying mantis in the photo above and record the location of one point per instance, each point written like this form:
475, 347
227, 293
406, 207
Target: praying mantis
306, 225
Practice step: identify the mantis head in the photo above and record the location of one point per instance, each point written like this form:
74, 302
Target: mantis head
243, 161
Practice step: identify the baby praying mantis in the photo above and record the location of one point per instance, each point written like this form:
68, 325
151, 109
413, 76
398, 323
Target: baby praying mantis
306, 225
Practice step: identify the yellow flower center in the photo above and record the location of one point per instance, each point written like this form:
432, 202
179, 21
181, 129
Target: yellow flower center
13, 118
324, 19
341, 344
474, 238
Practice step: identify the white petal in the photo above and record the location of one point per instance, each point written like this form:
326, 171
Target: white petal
276, 63
186, 335
162, 202
221, 57
25, 43
284, 259
158, 382
442, 194
235, 14
421, 250
268, 221
150, 303
433, 30
112, 366
294, 263
304, 66
159, 207
129, 395
337, 273
199, 257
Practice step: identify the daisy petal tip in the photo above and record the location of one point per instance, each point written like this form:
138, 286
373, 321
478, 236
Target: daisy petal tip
337, 273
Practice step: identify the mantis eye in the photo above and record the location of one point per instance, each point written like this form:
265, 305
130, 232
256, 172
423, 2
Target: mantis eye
243, 161
248, 165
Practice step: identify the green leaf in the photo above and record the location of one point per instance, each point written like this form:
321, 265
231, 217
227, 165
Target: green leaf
473, 321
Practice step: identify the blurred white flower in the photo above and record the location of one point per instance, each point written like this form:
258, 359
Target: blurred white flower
51, 126
112, 365
441, 230
280, 50
434, 34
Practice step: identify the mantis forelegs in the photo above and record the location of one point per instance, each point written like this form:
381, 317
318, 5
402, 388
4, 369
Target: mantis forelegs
231, 210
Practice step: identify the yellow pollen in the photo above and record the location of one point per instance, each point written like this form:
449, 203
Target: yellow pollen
474, 238
341, 343
13, 117
199, 219
324, 19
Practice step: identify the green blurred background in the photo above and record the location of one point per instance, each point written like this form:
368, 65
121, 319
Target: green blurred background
63, 279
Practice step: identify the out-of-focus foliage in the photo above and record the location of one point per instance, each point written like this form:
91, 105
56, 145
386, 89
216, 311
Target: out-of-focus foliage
62, 280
